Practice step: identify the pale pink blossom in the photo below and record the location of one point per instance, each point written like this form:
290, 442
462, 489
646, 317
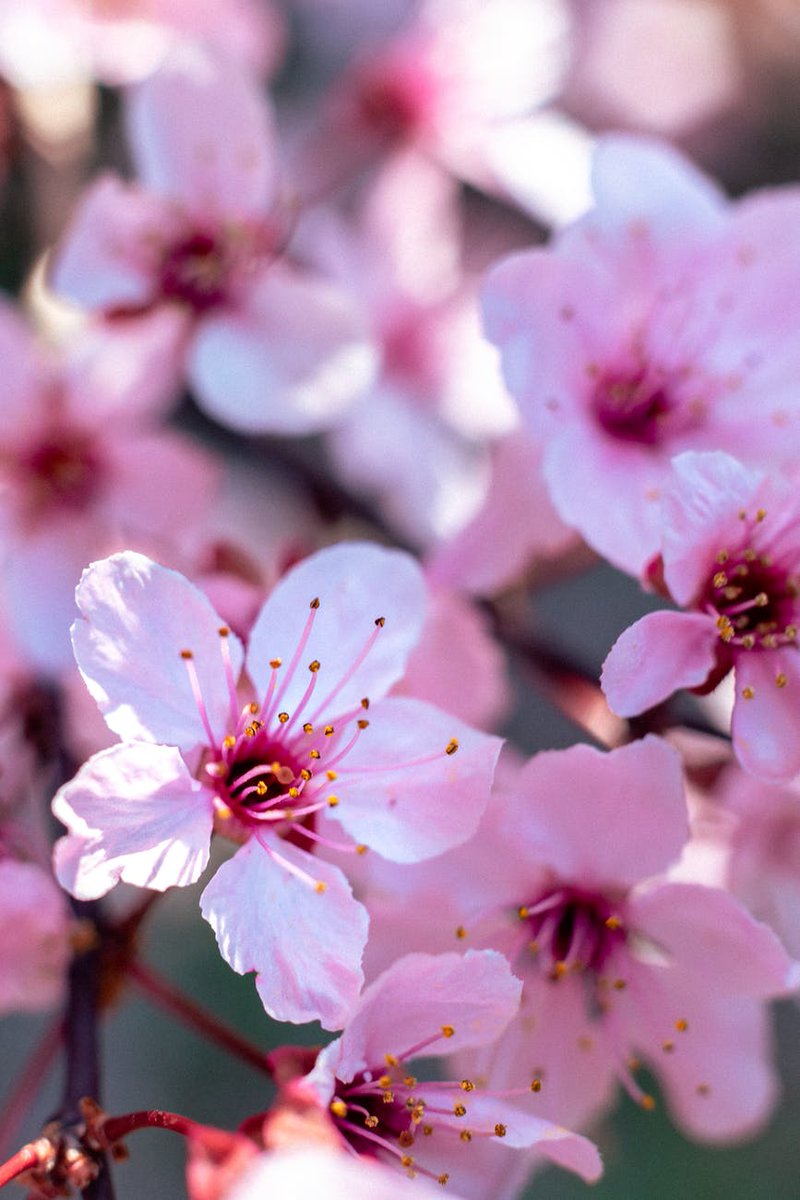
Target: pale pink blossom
619, 962
730, 558
34, 937
305, 740
198, 244
46, 43
84, 467
423, 1005
659, 322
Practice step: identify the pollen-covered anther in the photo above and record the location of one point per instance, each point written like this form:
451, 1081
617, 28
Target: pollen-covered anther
523, 912
315, 754
647, 1102
452, 746
619, 985
500, 1130
330, 776
681, 1025
362, 724
224, 631
314, 603
465, 1135
781, 680
460, 1110
338, 1107
283, 717
467, 1085
447, 1031
391, 1060
332, 801
461, 932
388, 1096
723, 556
308, 727
320, 886
380, 622
314, 666
613, 922
372, 1122
748, 693
536, 1085
305, 774
294, 792
406, 1138
407, 1161
365, 702
186, 655
329, 731
228, 742
760, 514
361, 848
442, 1179
275, 663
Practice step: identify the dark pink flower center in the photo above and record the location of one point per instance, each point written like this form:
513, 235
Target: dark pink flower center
63, 471
755, 599
572, 929
196, 272
632, 407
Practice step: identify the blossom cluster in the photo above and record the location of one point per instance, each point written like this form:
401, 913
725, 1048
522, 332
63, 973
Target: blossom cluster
312, 390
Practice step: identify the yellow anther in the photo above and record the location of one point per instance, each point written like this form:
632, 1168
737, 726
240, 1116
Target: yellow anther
442, 1179
559, 970
251, 731
283, 717
790, 632
410, 1080
314, 666
186, 654
536, 1085
261, 788
668, 1046
385, 1081
681, 1025
380, 622
362, 724
760, 514
305, 774
613, 922
465, 1135
460, 1110
761, 600
391, 1060
406, 1138
447, 1031
647, 1102
338, 1108
427, 1130
228, 742
451, 746
294, 792
388, 1096
522, 912
223, 631
275, 663
308, 727
748, 641
223, 812
407, 1160
252, 708
320, 886
328, 731
371, 1122
749, 555
500, 1130
333, 801
314, 754
619, 984
461, 932
361, 848
748, 693
720, 579
781, 680
365, 702
723, 556
467, 1085
314, 603
330, 776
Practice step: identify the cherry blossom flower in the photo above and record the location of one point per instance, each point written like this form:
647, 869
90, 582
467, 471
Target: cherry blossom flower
83, 467
657, 323
621, 964
422, 1005
57, 42
305, 738
197, 245
730, 558
34, 936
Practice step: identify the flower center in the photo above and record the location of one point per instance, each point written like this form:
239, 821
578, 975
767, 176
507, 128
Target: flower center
571, 929
632, 407
196, 271
62, 470
754, 599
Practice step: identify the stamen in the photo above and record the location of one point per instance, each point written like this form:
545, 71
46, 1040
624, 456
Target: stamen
194, 683
350, 672
298, 654
224, 634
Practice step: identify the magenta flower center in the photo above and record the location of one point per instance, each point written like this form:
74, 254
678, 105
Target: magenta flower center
755, 600
572, 929
61, 471
196, 272
632, 407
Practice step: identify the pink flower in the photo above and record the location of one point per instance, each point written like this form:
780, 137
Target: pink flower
83, 466
268, 762
198, 245
423, 1005
730, 558
34, 937
656, 324
618, 962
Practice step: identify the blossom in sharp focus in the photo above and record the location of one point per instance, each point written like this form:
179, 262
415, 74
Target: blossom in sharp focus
197, 244
269, 757
423, 1005
658, 323
730, 558
620, 964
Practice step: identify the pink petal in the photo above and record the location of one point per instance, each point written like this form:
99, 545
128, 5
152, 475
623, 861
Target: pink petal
202, 134
420, 995
607, 820
134, 813
109, 257
305, 944
289, 361
765, 724
136, 619
658, 655
406, 809
162, 484
312, 1172
34, 937
355, 583
705, 930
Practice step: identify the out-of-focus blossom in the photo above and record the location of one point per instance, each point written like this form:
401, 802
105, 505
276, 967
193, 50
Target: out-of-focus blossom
267, 767
47, 43
619, 962
83, 469
423, 1005
730, 557
198, 246
34, 937
658, 323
